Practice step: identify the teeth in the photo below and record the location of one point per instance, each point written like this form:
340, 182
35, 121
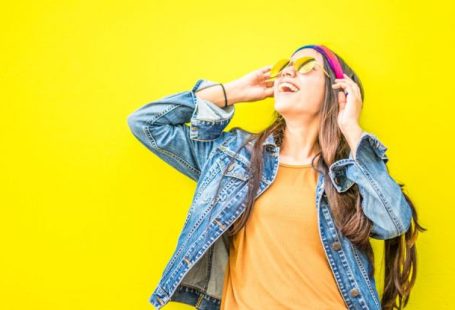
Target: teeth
290, 86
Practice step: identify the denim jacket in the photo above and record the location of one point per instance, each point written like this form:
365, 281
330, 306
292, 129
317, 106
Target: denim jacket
202, 150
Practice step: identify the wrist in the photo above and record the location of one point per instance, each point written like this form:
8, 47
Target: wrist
352, 134
233, 92
351, 128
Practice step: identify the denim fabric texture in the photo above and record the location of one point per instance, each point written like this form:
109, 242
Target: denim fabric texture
187, 132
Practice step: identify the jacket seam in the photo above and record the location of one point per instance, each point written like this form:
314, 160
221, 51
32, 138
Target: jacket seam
377, 190
199, 222
204, 246
343, 257
153, 141
364, 273
170, 154
171, 263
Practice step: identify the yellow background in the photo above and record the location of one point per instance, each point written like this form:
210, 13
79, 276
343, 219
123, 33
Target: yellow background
89, 217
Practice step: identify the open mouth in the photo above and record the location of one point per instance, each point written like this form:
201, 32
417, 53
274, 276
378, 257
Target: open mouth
286, 87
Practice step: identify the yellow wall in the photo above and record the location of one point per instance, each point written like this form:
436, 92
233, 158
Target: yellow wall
89, 217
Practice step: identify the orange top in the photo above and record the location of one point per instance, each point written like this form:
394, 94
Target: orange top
277, 261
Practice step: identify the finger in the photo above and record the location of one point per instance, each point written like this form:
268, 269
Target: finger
269, 92
344, 81
347, 79
345, 91
266, 68
339, 85
267, 80
266, 73
344, 84
352, 81
269, 83
345, 87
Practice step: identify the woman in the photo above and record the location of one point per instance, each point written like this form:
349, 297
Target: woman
265, 229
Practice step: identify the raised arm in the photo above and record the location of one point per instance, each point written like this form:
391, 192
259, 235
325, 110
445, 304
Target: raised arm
382, 198
161, 125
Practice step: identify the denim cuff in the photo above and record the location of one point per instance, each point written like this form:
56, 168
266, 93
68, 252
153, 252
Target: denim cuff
208, 119
369, 151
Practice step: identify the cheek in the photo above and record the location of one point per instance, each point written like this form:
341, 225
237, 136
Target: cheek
315, 89
312, 95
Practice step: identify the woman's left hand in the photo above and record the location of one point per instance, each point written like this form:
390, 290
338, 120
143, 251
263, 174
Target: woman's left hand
350, 102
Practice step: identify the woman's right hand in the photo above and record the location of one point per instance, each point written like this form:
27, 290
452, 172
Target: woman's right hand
255, 85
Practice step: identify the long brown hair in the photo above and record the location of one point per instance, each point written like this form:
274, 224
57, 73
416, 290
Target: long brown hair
400, 252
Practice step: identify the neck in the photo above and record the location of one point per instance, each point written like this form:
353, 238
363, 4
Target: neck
299, 143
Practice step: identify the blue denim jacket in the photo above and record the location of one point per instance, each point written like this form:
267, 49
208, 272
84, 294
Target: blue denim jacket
201, 150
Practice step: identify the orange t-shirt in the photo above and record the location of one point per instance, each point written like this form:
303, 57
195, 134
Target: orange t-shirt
277, 261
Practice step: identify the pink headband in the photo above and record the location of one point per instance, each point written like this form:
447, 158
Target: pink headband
329, 55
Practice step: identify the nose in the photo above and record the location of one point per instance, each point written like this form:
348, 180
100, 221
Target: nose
288, 71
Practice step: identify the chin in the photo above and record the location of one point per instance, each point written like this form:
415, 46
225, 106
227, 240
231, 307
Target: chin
282, 103
283, 109
290, 106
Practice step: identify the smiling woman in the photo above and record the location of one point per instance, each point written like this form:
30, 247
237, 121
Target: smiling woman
301, 197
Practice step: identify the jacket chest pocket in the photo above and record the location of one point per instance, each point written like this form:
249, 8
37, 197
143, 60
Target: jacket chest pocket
234, 169
233, 165
227, 175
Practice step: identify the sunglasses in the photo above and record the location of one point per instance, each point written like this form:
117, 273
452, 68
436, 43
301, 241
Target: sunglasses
303, 65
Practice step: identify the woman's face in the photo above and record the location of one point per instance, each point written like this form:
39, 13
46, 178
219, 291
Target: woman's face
309, 98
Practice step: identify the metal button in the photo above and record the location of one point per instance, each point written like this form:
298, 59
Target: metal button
270, 148
222, 226
355, 292
336, 245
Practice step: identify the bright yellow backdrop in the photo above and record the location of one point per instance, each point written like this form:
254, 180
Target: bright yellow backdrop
89, 217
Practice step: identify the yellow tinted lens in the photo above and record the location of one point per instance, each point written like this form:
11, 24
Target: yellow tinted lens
305, 64
278, 66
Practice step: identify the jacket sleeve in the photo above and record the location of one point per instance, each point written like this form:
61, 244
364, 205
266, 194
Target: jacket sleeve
382, 199
162, 127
